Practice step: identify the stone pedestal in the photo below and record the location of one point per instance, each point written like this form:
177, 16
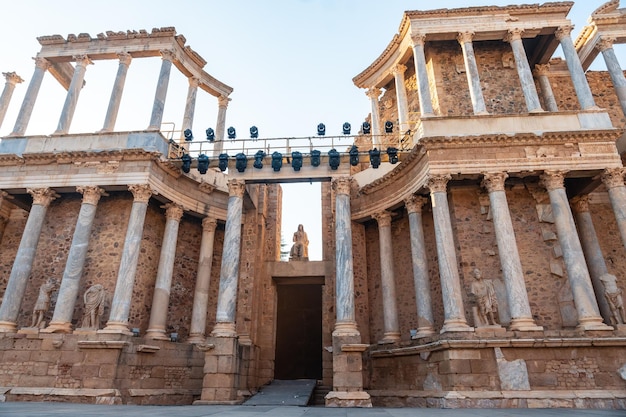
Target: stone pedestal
348, 373
221, 372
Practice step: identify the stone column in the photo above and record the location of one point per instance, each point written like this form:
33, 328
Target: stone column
421, 75
454, 313
613, 179
373, 94
190, 105
4, 214
229, 272
421, 279
72, 94
517, 296
593, 252
588, 313
161, 297
11, 80
403, 106
116, 93
23, 264
161, 91
23, 117
390, 308
471, 70
68, 292
122, 297
220, 128
203, 279
541, 72
514, 37
605, 45
581, 86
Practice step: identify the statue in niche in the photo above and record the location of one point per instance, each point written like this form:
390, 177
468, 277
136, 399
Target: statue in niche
94, 299
613, 296
300, 249
43, 303
484, 295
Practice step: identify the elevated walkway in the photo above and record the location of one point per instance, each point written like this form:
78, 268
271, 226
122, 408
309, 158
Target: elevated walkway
280, 392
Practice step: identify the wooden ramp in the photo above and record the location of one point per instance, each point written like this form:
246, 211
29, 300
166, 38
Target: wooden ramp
282, 392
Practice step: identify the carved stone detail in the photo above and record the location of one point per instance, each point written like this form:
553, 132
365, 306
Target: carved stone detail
236, 188
418, 39
42, 196
613, 177
222, 101
513, 34
398, 69
209, 224
415, 203
42, 63
383, 218
465, 37
605, 42
563, 31
342, 185
173, 211
494, 181
580, 203
373, 93
12, 78
124, 58
141, 192
91, 194
542, 69
167, 54
553, 179
438, 183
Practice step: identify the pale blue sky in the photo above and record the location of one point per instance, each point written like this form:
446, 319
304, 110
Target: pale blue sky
291, 64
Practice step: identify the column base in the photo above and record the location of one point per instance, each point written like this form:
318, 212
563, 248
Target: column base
390, 337
224, 330
156, 334
524, 325
8, 327
346, 328
116, 327
455, 325
593, 323
58, 327
359, 399
29, 330
423, 332
196, 339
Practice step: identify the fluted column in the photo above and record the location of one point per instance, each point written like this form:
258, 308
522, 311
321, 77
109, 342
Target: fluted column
588, 313
514, 37
116, 94
613, 179
541, 72
581, 86
344, 275
605, 45
387, 277
471, 70
421, 281
76, 85
517, 296
23, 264
190, 105
373, 94
203, 279
163, 285
158, 107
229, 272
593, 252
122, 297
421, 74
64, 308
11, 80
454, 313
23, 117
220, 127
403, 106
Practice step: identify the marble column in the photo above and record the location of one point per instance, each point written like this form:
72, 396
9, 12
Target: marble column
421, 75
23, 264
613, 179
373, 94
517, 295
220, 127
116, 94
190, 105
581, 86
471, 70
122, 297
71, 99
163, 285
203, 279
11, 80
605, 45
514, 37
68, 291
454, 312
586, 305
344, 274
229, 272
158, 107
421, 281
593, 252
403, 105
387, 278
541, 72
23, 117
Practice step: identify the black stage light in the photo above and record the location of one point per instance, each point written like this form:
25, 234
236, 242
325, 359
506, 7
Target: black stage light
374, 158
333, 159
203, 163
296, 160
210, 134
316, 157
186, 158
346, 128
354, 156
366, 128
254, 132
241, 162
277, 161
188, 135
393, 155
232, 134
388, 127
258, 159
223, 162
321, 129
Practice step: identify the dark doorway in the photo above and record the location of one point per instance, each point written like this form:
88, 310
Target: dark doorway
299, 332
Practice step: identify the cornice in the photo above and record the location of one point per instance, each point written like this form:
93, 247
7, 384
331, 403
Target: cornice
407, 162
552, 7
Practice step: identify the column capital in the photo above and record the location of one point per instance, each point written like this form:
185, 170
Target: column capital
605, 42
613, 177
494, 181
42, 196
222, 101
542, 69
124, 58
373, 93
42, 63
514, 34
173, 211
418, 39
398, 69
553, 179
91, 194
563, 31
580, 203
342, 185
194, 82
383, 218
141, 192
415, 203
82, 60
236, 188
465, 37
209, 224
12, 78
438, 183
167, 54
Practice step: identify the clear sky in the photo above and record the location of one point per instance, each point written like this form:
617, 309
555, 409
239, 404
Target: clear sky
290, 62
